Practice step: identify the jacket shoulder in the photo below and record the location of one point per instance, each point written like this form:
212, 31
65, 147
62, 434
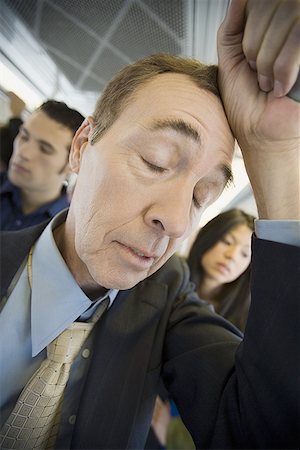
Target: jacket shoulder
175, 274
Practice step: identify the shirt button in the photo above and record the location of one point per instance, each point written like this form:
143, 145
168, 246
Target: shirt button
85, 353
72, 419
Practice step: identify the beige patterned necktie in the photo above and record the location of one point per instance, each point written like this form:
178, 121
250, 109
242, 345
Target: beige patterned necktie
34, 421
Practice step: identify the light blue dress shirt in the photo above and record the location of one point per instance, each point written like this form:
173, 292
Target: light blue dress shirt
39, 316
284, 231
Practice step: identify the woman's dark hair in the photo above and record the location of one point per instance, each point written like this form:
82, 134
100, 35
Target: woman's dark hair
234, 298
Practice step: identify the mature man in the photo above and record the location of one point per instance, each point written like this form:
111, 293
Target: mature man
155, 154
33, 188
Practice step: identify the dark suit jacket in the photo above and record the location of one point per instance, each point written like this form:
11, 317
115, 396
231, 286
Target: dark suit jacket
229, 395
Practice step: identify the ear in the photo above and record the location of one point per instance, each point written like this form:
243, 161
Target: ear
79, 143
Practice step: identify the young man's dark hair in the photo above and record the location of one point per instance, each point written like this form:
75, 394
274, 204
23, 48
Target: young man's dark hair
61, 113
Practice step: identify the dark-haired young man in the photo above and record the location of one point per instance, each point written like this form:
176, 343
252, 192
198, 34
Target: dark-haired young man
32, 190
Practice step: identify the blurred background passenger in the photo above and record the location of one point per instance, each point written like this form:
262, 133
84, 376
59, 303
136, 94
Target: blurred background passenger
33, 188
219, 261
9, 130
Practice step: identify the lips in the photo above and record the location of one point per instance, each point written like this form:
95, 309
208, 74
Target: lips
19, 168
136, 257
223, 268
141, 253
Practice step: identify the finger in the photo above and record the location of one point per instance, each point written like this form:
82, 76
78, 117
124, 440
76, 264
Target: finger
280, 39
258, 17
286, 67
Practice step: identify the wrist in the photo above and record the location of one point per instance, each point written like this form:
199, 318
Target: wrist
275, 179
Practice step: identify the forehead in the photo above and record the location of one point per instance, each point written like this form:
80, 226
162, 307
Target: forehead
199, 131
241, 233
42, 127
177, 97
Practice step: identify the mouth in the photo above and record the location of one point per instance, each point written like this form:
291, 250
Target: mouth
18, 168
141, 253
137, 257
223, 268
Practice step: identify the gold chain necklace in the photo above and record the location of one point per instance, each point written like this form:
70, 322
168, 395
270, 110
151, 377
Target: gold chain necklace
29, 266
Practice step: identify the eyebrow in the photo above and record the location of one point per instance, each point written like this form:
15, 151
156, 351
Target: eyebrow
187, 130
178, 125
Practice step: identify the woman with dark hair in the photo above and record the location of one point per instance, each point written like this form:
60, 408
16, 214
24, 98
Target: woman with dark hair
219, 261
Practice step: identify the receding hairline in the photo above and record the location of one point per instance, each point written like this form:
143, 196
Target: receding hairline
127, 81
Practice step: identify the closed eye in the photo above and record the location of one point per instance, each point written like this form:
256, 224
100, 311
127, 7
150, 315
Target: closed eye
23, 135
245, 255
46, 148
226, 241
153, 167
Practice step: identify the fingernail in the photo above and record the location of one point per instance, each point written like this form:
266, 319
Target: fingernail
265, 83
252, 64
278, 89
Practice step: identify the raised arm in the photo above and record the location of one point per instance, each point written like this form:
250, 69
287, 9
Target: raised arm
259, 56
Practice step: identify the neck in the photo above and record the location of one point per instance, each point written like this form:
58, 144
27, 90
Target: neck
209, 290
33, 200
64, 239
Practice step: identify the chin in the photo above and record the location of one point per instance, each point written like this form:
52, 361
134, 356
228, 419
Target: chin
120, 283
16, 179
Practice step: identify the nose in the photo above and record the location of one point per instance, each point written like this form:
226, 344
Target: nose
231, 252
23, 149
171, 213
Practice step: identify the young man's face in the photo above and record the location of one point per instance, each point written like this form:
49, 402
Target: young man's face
39, 161
142, 188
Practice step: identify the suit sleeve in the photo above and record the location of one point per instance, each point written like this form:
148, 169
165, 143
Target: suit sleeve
241, 394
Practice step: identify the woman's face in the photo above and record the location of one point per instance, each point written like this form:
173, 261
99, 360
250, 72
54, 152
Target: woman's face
229, 257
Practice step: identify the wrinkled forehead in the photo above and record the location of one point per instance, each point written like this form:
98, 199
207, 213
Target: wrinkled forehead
176, 96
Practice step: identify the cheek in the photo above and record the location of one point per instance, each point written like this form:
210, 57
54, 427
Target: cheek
45, 164
242, 266
207, 259
89, 236
202, 262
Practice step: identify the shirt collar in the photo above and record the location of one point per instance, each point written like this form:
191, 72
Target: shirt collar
51, 208
6, 185
57, 205
56, 298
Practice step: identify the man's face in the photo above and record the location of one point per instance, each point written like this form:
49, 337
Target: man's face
142, 188
39, 162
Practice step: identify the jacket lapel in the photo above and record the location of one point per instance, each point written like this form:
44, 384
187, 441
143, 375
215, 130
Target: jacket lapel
14, 247
116, 405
